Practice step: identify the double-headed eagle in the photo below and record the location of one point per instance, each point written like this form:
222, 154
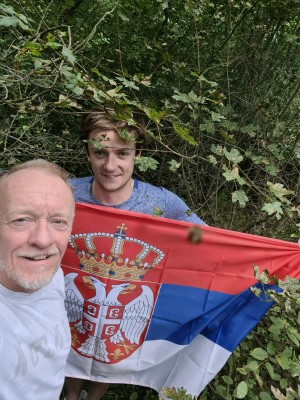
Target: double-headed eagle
132, 323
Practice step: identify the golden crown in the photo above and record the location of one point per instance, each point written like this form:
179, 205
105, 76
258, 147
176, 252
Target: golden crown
124, 258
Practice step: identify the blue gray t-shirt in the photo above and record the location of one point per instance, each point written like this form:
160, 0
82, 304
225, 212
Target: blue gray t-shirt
145, 199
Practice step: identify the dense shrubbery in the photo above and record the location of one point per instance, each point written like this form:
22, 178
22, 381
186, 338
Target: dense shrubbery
218, 84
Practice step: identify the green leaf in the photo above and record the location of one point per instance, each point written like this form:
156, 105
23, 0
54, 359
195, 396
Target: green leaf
264, 396
157, 212
53, 45
212, 159
68, 53
145, 163
242, 390
278, 190
250, 130
283, 361
240, 197
216, 117
271, 349
14, 22
270, 369
134, 396
234, 156
183, 132
233, 175
127, 83
283, 383
174, 165
272, 169
218, 150
253, 365
259, 354
227, 379
273, 208
38, 63
7, 9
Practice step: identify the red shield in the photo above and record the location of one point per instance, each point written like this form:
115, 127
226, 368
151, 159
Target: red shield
106, 314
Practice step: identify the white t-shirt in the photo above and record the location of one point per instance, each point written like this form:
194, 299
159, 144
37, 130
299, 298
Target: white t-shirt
34, 342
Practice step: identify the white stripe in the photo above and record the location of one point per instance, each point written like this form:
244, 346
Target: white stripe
158, 364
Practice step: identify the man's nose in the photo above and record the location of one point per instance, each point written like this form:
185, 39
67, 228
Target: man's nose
110, 162
41, 235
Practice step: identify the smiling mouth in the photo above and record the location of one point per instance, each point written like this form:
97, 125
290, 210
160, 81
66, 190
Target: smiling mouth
38, 257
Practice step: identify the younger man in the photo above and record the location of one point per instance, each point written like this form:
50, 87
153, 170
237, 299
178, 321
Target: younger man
112, 146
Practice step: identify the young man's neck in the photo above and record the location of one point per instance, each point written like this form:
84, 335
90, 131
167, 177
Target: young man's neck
112, 198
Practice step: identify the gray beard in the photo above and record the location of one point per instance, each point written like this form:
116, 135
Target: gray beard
24, 283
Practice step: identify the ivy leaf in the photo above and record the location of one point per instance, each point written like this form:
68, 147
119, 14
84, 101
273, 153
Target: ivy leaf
273, 208
218, 150
233, 156
13, 21
174, 165
250, 130
68, 53
145, 163
272, 169
239, 196
241, 390
216, 117
233, 175
279, 190
183, 132
259, 354
7, 9
212, 159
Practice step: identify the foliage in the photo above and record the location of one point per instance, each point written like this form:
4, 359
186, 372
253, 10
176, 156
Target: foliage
267, 364
217, 83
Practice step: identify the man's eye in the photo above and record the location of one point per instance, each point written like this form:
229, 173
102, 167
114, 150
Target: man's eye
60, 223
22, 221
99, 153
124, 154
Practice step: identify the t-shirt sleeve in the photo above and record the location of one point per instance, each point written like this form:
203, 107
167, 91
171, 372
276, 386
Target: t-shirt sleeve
178, 210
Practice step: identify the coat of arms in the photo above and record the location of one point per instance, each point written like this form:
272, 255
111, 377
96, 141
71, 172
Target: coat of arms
109, 305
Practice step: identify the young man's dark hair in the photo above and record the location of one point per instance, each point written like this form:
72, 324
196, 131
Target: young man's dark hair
106, 119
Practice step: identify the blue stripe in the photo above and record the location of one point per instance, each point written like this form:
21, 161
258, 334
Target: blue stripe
181, 313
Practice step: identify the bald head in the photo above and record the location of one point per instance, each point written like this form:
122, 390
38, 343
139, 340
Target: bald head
36, 216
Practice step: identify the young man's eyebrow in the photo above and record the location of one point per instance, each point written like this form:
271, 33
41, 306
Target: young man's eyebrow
118, 148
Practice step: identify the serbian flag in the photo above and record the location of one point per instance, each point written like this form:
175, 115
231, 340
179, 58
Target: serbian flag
150, 303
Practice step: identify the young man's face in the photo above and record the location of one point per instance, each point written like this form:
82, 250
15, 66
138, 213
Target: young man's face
112, 166
36, 215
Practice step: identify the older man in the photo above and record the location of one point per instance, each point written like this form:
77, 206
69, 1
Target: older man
36, 215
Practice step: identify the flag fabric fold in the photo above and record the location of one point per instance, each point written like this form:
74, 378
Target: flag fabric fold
147, 306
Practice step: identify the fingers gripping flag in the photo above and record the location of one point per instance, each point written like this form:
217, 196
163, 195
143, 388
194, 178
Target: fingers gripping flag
148, 304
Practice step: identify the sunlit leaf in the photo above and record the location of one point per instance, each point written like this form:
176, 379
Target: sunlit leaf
240, 197
183, 132
68, 53
259, 354
273, 208
242, 390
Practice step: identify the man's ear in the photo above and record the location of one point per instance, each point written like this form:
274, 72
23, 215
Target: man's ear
138, 152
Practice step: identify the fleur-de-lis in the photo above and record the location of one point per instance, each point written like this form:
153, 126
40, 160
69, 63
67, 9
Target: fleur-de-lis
117, 354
